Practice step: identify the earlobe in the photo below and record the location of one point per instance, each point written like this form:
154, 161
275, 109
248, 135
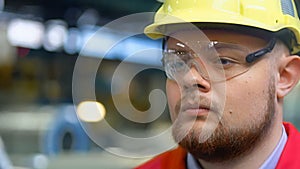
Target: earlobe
289, 75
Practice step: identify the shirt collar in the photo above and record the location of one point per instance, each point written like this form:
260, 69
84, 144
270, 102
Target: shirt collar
273, 159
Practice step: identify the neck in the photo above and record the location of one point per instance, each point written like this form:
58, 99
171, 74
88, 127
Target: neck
256, 157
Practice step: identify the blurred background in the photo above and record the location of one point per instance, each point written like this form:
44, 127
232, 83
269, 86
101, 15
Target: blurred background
40, 42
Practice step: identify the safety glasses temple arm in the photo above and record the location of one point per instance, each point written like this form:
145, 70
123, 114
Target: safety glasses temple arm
256, 55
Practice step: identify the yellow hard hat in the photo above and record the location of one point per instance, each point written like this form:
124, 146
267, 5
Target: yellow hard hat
270, 15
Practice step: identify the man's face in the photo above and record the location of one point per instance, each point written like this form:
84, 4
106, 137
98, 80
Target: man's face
242, 108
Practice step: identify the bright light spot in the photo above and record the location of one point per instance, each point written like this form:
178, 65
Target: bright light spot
40, 161
91, 111
97, 44
25, 33
72, 42
56, 34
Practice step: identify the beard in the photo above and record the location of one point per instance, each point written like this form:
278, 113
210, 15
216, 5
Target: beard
225, 142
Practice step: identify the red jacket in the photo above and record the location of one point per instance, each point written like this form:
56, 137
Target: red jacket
176, 159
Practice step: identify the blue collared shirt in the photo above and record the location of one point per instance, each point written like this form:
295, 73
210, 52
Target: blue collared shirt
270, 163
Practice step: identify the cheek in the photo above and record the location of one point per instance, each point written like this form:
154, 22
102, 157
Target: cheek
246, 99
173, 95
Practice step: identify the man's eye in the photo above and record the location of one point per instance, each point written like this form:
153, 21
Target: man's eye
180, 53
183, 56
225, 63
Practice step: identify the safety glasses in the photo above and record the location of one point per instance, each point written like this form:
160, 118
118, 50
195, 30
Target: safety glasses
215, 61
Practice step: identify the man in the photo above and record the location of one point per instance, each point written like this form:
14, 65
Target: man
226, 82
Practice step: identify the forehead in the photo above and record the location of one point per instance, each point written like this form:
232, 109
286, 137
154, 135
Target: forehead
192, 36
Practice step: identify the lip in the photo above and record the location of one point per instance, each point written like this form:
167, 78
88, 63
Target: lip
196, 110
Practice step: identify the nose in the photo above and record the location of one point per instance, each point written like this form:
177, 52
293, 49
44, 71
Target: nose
194, 79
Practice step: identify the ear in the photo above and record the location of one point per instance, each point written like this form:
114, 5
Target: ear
289, 75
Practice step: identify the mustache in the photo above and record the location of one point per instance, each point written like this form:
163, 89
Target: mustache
193, 100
